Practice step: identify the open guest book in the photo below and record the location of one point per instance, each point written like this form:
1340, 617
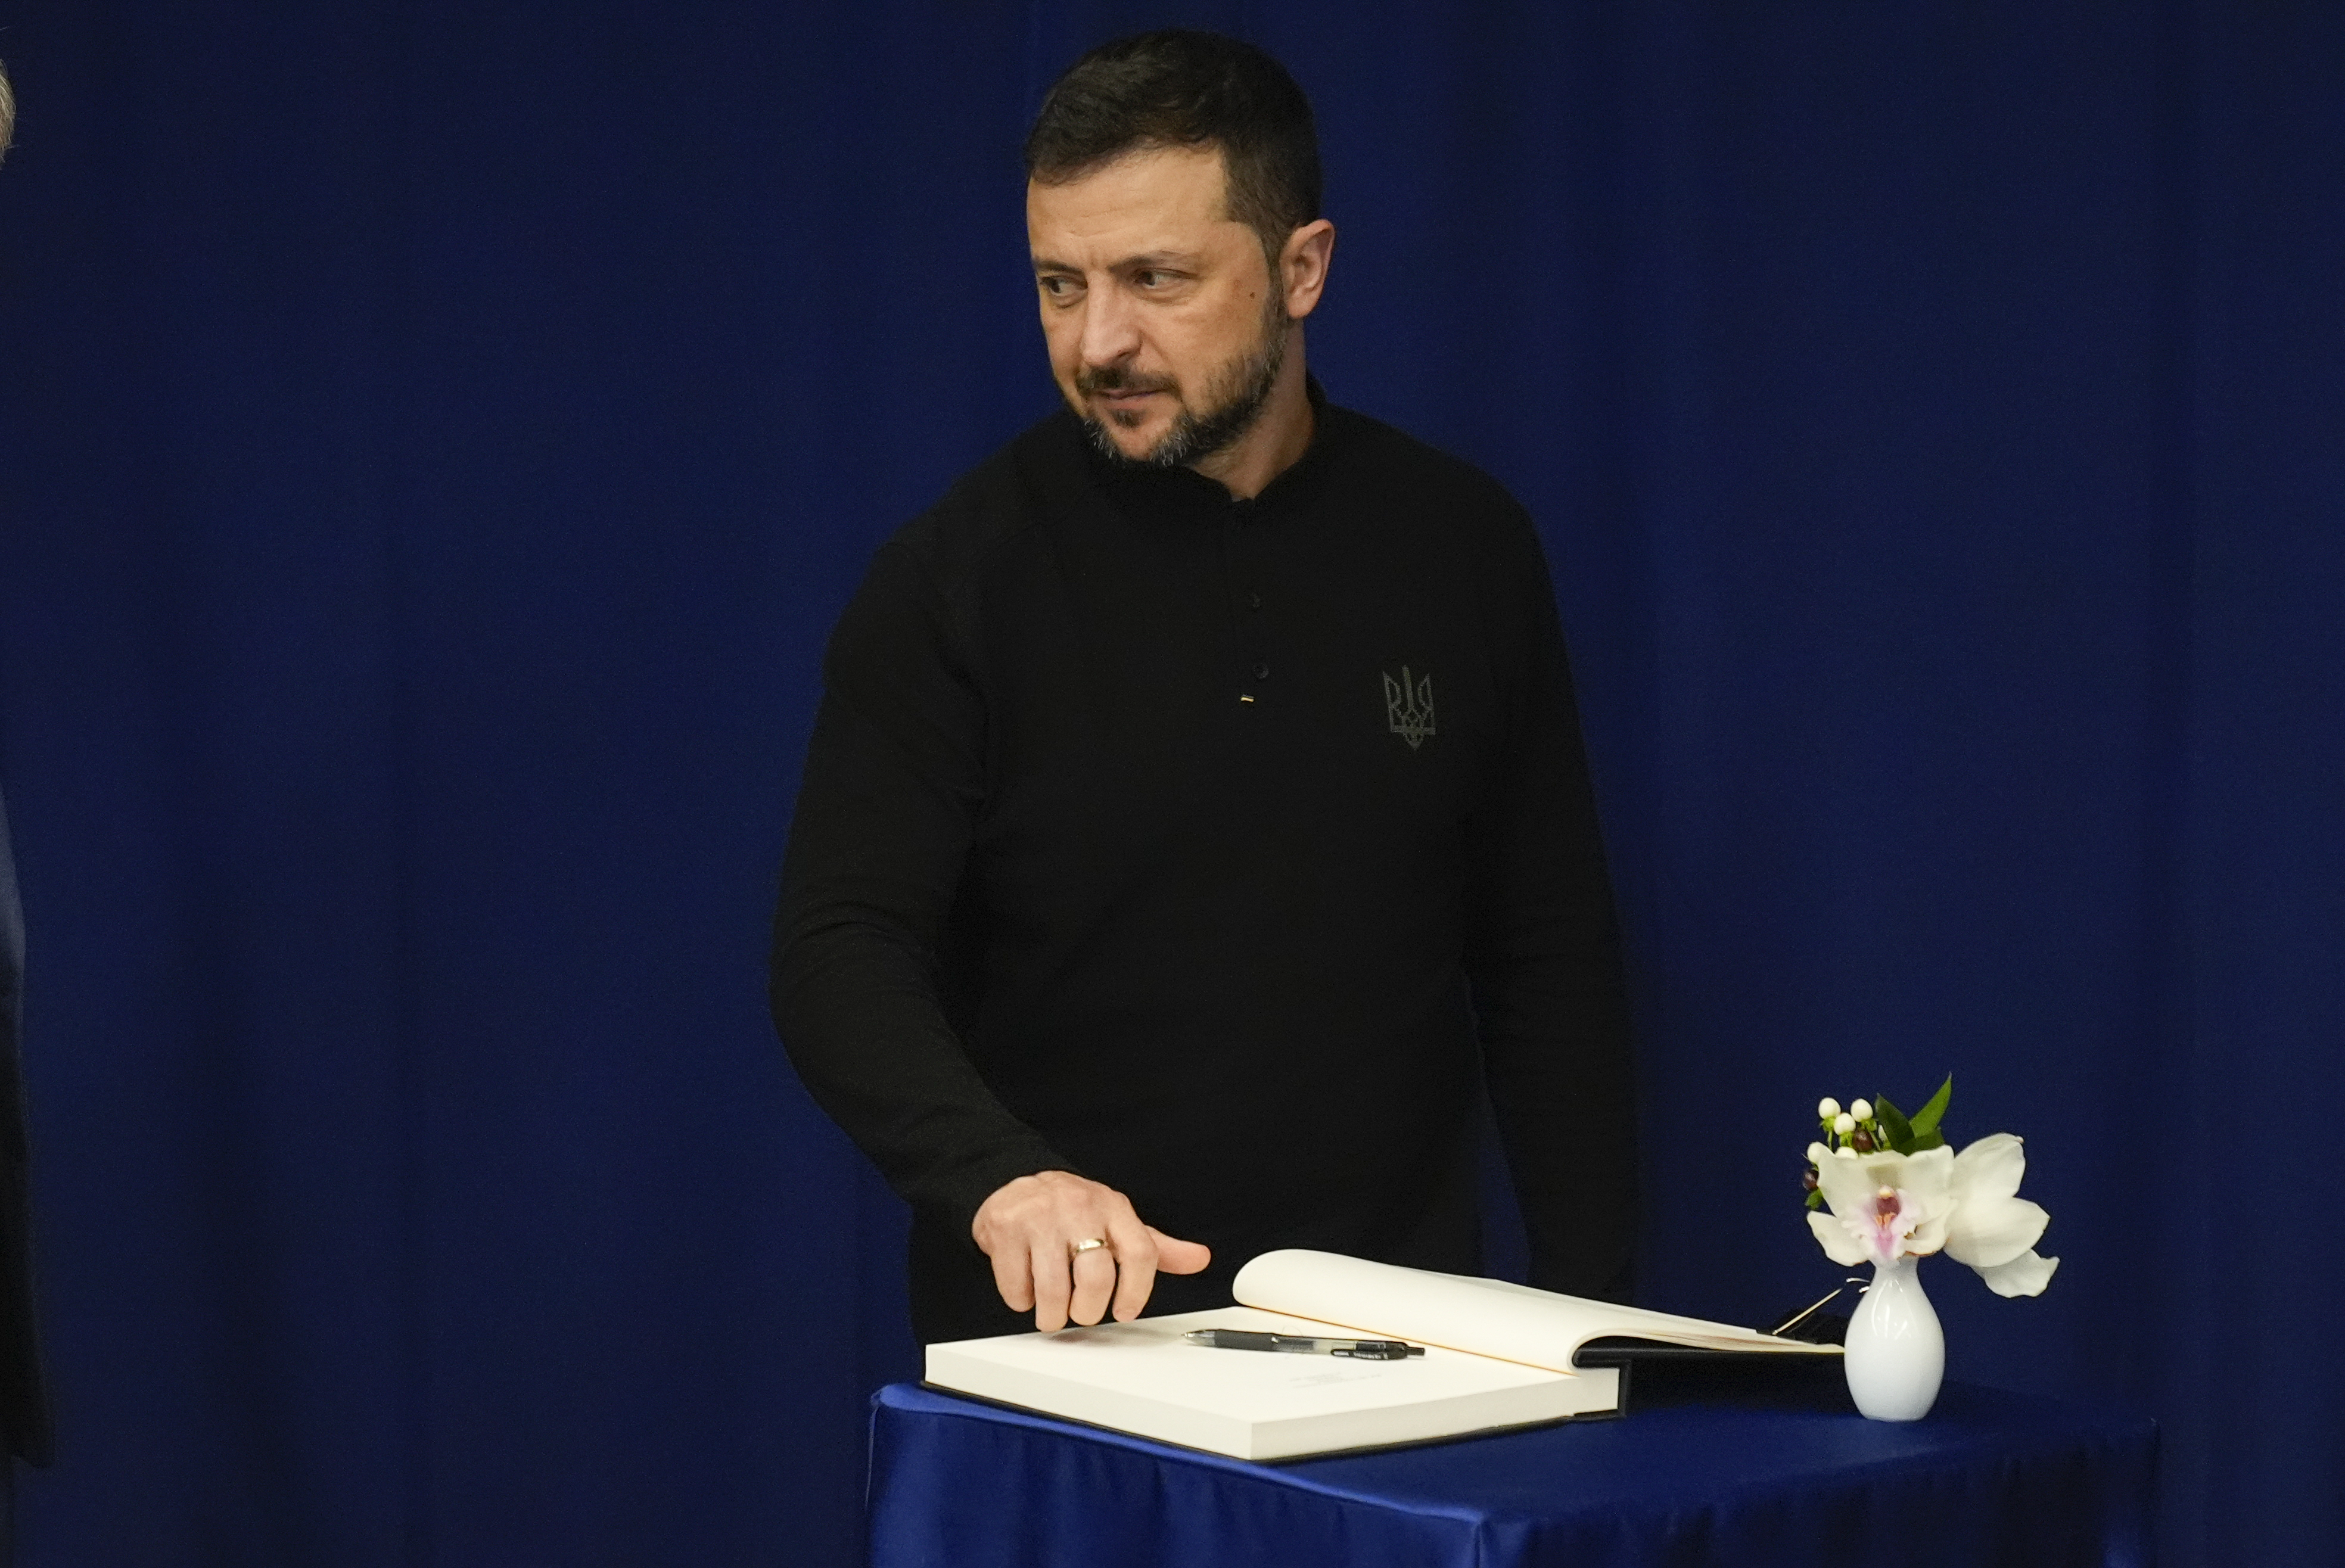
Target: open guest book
1496, 1355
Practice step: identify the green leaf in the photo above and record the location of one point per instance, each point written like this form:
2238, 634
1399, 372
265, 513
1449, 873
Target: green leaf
1816, 1200
1926, 1118
1892, 1122
1930, 1139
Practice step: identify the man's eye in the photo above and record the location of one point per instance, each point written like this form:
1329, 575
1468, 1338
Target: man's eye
1152, 279
1058, 287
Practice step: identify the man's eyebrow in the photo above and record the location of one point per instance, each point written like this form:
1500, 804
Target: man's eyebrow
1172, 258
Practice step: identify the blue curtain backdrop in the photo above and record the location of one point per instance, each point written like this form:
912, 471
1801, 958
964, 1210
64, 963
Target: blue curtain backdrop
435, 436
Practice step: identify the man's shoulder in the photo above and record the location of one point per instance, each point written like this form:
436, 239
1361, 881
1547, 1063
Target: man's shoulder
996, 505
1411, 474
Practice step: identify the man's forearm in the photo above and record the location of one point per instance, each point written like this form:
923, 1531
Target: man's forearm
1566, 1107
861, 1018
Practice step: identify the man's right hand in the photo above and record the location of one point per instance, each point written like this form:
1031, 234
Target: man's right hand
1030, 1228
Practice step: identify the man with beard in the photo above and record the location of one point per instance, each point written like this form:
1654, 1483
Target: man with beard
1195, 820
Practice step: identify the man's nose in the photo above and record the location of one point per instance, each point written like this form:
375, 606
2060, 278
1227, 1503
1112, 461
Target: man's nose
1111, 332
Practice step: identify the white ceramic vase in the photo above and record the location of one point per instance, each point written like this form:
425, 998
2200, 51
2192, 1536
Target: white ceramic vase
1897, 1352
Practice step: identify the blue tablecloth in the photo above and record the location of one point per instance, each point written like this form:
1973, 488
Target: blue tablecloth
1988, 1478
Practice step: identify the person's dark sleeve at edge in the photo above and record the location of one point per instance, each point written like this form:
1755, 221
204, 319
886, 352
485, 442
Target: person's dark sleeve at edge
1543, 955
885, 817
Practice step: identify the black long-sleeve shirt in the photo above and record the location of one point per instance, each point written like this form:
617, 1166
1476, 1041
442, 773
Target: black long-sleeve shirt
1162, 837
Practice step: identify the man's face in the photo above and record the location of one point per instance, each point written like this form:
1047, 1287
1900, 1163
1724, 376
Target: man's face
1165, 329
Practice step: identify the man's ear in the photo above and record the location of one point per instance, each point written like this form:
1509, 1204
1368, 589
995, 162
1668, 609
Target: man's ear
1303, 264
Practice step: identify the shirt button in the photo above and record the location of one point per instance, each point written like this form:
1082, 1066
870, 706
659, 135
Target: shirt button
1254, 600
1261, 671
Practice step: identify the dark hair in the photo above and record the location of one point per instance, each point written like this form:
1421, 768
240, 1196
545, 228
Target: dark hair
1180, 88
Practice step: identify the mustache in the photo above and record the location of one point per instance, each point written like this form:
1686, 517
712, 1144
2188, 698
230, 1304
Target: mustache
1121, 378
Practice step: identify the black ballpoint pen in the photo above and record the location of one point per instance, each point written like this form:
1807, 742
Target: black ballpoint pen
1303, 1345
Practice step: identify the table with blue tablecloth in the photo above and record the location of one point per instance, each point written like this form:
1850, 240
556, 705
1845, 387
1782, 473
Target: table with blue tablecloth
1988, 1478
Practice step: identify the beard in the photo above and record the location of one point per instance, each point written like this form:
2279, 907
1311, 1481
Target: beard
1235, 397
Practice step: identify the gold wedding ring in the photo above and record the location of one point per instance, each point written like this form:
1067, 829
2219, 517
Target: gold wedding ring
1091, 1244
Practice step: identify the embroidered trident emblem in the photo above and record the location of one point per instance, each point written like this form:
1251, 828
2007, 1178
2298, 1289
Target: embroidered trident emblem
1409, 707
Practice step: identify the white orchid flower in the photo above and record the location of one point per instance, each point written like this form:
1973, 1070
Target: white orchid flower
1883, 1206
1886, 1206
1994, 1229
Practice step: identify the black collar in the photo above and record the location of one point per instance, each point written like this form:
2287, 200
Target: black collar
1140, 488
